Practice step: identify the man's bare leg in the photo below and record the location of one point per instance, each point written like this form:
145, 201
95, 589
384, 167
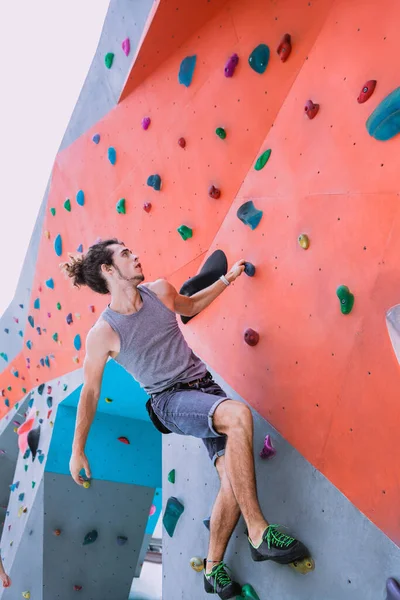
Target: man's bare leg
224, 517
235, 420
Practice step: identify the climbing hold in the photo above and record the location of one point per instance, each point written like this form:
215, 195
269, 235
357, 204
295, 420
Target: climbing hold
49, 414
268, 450
29, 345
346, 299
69, 318
173, 511
7, 403
108, 400
86, 485
75, 359
39, 330
120, 206
16, 374
26, 594
33, 484
392, 589
58, 306
249, 269
67, 205
186, 69
41, 458
285, 47
49, 401
121, 540
31, 321
126, 46
112, 155
231, 65
65, 387
77, 588
249, 214
146, 123
53, 211
47, 234
4, 356
21, 497
221, 133
47, 361
384, 122
197, 564
79, 248
214, 192
147, 206
33, 441
262, 160
7, 330
36, 304
182, 142
311, 109
49, 388
55, 337
91, 308
77, 342
249, 592
96, 138
90, 537
40, 389
154, 181
251, 337
58, 245
258, 59
109, 59
185, 232
304, 241
50, 283
80, 198
171, 476
367, 91
124, 440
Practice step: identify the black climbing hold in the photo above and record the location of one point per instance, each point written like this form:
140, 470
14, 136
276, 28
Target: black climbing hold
249, 269
33, 441
258, 59
249, 214
90, 537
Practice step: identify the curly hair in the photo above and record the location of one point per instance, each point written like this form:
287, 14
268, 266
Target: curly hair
86, 269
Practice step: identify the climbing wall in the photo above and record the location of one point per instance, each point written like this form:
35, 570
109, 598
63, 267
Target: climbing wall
289, 147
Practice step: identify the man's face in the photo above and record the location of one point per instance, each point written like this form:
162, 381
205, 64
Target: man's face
127, 265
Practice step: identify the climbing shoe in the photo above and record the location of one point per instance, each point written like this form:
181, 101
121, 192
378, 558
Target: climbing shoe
219, 582
278, 546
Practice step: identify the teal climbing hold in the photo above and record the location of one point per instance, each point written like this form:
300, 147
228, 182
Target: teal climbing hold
21, 497
112, 155
47, 361
41, 458
58, 245
173, 511
55, 337
154, 181
27, 454
249, 592
90, 537
49, 401
65, 387
77, 342
16, 374
186, 70
4, 356
121, 209
346, 299
50, 283
262, 160
40, 389
36, 304
29, 345
21, 333
7, 402
80, 198
109, 59
259, 58
384, 122
31, 321
53, 211
185, 232
33, 484
249, 214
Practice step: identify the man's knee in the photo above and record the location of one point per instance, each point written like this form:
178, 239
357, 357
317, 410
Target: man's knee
231, 415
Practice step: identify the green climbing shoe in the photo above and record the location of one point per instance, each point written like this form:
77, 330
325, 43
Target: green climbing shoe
219, 582
279, 547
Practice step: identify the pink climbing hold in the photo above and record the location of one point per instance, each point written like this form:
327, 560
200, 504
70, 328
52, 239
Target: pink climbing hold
146, 123
268, 450
147, 206
126, 46
152, 510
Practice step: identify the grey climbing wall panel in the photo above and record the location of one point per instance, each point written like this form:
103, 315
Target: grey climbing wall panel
104, 569
353, 557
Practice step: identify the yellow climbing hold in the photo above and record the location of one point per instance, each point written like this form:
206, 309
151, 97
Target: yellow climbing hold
108, 400
86, 485
47, 234
304, 241
76, 359
51, 423
197, 564
26, 594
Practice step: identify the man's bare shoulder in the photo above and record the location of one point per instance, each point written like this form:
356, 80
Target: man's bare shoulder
103, 336
160, 286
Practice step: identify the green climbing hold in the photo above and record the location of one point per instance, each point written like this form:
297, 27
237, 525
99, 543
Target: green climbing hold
121, 206
67, 205
53, 211
262, 160
173, 511
249, 592
33, 484
259, 58
109, 59
90, 537
346, 299
221, 133
26, 467
185, 232
171, 476
55, 337
58, 306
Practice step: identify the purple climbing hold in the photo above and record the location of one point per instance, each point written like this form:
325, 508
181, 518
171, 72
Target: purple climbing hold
121, 540
251, 337
96, 138
392, 589
39, 330
126, 46
69, 318
231, 65
146, 123
268, 450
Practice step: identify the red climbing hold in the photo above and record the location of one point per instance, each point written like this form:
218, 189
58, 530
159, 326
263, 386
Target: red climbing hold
367, 91
91, 308
57, 532
311, 109
77, 588
147, 206
214, 192
124, 440
182, 142
285, 47
251, 337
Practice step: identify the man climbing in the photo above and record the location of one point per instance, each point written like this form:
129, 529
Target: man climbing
139, 330
4, 578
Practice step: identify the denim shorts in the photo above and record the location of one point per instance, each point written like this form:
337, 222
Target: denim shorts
190, 412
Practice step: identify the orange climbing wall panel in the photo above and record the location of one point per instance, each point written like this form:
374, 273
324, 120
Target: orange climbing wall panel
327, 382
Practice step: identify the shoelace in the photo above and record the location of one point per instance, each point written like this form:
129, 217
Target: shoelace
220, 575
277, 538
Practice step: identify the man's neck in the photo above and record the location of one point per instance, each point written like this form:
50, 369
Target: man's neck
126, 301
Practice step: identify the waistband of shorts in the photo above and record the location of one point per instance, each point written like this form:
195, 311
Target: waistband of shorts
188, 385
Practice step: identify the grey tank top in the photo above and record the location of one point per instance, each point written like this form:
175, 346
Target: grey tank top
153, 349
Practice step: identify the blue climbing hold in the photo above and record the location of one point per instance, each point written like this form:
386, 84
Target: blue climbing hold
154, 181
384, 122
29, 345
80, 198
30, 403
41, 458
77, 342
79, 248
27, 454
50, 283
7, 330
112, 155
7, 402
186, 70
39, 330
259, 58
21, 333
16, 373
21, 497
249, 214
58, 245
31, 321
42, 362
69, 318
47, 361
40, 389
96, 138
36, 304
